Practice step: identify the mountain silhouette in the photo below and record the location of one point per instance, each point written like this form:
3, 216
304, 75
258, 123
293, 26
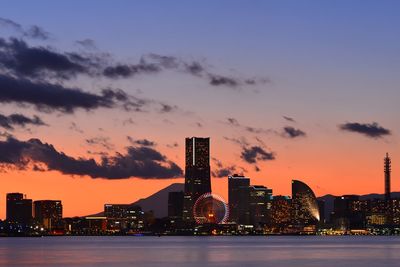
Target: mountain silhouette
157, 202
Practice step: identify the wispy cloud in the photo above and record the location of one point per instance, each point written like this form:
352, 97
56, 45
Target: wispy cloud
34, 32
10, 121
142, 142
87, 43
101, 141
254, 130
223, 171
290, 119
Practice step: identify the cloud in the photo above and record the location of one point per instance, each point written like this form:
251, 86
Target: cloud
87, 43
17, 57
8, 122
129, 121
142, 142
25, 71
254, 154
20, 59
148, 64
292, 132
128, 102
166, 62
9, 23
194, 68
138, 161
49, 97
154, 63
234, 122
5, 134
234, 82
34, 32
173, 145
222, 171
260, 141
289, 119
372, 130
100, 141
74, 127
258, 130
239, 141
288, 131
166, 108
125, 71
218, 80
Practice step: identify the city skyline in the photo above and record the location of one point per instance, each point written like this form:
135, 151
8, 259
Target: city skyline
250, 210
282, 95
197, 185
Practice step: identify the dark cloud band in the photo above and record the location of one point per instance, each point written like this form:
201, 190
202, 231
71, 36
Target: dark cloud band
55, 97
138, 161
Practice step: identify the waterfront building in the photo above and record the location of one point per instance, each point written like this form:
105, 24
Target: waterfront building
48, 213
280, 213
235, 183
349, 212
305, 211
124, 217
18, 208
259, 204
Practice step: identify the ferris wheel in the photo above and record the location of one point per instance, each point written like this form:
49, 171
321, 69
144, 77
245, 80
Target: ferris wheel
210, 208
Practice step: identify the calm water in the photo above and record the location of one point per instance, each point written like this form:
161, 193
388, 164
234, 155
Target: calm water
201, 251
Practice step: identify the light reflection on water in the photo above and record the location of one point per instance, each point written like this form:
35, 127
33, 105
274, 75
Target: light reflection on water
201, 251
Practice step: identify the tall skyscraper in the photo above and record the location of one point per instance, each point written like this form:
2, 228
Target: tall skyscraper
197, 173
48, 213
388, 163
236, 182
19, 209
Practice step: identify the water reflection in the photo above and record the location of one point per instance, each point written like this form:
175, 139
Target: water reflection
200, 251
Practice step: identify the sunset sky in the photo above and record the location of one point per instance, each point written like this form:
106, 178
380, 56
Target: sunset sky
96, 97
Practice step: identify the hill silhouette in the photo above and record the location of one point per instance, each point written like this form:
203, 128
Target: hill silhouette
157, 202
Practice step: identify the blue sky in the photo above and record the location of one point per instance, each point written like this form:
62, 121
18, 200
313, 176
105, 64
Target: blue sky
327, 63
